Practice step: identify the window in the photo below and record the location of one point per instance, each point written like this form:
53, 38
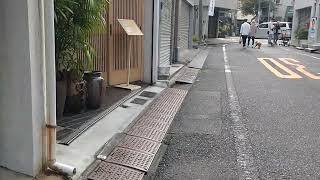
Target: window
283, 25
263, 26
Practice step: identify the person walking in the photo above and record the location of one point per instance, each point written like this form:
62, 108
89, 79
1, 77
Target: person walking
270, 33
276, 30
244, 32
252, 34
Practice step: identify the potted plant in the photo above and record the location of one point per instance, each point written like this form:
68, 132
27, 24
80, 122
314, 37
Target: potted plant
301, 35
75, 21
196, 41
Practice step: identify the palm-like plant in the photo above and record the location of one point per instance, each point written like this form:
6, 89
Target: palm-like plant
75, 21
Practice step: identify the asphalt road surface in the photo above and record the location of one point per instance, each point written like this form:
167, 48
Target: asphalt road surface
251, 114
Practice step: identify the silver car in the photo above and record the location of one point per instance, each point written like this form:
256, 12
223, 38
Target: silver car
285, 30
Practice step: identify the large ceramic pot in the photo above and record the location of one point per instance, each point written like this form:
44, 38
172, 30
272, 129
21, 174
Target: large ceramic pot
61, 94
94, 89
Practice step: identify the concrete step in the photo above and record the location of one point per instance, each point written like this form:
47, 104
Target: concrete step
300, 48
304, 45
311, 50
316, 46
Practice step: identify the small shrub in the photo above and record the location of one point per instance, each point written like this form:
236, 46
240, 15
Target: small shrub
302, 34
195, 39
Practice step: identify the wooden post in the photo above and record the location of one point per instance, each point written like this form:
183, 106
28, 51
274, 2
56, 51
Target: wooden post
129, 60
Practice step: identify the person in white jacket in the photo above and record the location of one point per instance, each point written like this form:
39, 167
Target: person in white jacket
270, 32
244, 32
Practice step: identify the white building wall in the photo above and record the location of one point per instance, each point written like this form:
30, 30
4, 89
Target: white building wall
314, 12
21, 96
282, 8
227, 4
299, 4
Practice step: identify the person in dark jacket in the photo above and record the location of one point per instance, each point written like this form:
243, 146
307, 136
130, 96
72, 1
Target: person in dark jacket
276, 30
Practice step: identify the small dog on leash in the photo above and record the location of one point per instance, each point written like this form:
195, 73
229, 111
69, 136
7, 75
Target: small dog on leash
258, 45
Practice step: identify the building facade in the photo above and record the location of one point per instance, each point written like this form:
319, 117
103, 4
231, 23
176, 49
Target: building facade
215, 26
27, 73
284, 10
306, 17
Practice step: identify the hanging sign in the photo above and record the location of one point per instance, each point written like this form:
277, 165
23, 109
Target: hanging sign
211, 7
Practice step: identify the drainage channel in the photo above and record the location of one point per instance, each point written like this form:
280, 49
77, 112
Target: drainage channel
132, 157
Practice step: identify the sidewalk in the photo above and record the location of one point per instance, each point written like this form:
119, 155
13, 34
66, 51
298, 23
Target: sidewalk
135, 153
128, 142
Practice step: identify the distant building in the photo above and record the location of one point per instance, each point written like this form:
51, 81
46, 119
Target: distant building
306, 11
224, 20
283, 10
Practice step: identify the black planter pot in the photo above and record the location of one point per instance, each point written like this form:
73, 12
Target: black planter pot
75, 101
61, 94
94, 89
74, 104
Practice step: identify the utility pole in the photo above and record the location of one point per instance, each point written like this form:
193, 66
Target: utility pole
200, 18
175, 24
269, 8
259, 11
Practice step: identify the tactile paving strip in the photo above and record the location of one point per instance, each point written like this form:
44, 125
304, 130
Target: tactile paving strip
188, 75
131, 158
140, 144
147, 133
109, 171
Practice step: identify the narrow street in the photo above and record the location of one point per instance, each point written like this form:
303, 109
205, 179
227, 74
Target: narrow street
248, 117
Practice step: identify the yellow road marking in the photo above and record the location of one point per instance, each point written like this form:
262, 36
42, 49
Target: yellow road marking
300, 68
292, 75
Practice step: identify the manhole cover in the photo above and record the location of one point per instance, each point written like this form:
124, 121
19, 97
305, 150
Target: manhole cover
131, 158
188, 75
151, 134
148, 94
109, 171
139, 101
140, 144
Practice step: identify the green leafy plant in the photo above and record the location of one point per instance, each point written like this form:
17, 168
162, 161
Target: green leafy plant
250, 7
195, 39
301, 33
75, 21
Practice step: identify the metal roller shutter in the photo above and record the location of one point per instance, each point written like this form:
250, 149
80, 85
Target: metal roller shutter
165, 32
184, 25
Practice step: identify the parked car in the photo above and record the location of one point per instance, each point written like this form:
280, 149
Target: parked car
285, 28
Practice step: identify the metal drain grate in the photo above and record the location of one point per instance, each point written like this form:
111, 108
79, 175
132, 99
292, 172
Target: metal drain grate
131, 158
140, 144
109, 171
188, 75
151, 134
148, 94
155, 117
159, 125
139, 101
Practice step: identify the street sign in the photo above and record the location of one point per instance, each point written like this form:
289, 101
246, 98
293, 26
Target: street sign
211, 7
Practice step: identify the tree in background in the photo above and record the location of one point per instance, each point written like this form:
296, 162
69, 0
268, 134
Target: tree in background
251, 7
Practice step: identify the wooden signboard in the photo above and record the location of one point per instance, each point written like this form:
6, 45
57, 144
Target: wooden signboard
131, 28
